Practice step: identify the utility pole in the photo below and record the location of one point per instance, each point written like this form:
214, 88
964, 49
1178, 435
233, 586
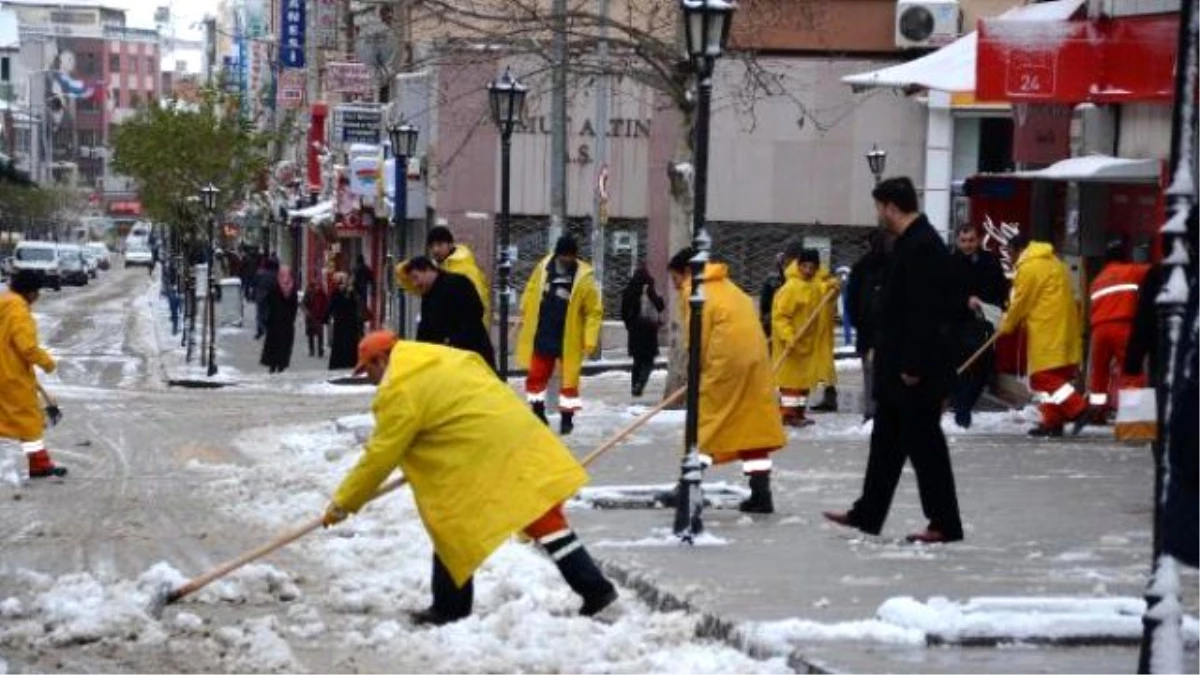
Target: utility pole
600, 198
558, 126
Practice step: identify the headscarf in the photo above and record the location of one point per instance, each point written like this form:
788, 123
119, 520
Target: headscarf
287, 283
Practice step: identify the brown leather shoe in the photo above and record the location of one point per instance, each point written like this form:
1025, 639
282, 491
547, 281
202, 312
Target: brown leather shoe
840, 517
931, 536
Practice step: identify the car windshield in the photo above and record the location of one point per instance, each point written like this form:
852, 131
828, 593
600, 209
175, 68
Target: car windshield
35, 254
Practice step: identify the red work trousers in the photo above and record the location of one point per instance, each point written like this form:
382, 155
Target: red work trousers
1061, 402
540, 369
1109, 340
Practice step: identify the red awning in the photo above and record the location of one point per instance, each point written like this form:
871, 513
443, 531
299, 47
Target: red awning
1106, 60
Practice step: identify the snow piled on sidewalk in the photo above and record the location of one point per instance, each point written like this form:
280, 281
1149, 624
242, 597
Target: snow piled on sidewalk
374, 568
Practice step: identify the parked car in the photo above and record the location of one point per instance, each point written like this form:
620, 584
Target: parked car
138, 254
72, 265
103, 257
42, 258
6, 262
91, 260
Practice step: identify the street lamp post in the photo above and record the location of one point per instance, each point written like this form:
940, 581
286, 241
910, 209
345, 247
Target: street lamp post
877, 160
404, 145
706, 26
209, 195
507, 97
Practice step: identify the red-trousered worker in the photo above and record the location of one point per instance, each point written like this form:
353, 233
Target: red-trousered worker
1114, 297
561, 316
481, 469
738, 416
21, 417
1043, 301
794, 305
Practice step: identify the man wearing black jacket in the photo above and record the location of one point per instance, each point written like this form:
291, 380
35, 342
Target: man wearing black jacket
450, 309
979, 278
913, 373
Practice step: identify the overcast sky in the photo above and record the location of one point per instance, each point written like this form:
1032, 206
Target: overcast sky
184, 14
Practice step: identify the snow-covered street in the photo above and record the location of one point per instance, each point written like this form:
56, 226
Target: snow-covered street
167, 482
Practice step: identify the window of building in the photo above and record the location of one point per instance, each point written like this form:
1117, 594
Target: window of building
135, 99
5, 74
115, 95
150, 65
89, 64
114, 63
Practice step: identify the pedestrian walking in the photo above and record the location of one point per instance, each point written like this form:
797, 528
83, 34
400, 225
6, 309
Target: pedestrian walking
794, 306
250, 267
456, 258
346, 316
771, 286
1042, 301
738, 416
450, 309
641, 311
863, 293
364, 280
826, 329
979, 278
316, 308
281, 304
21, 417
561, 316
480, 466
264, 282
1114, 299
913, 374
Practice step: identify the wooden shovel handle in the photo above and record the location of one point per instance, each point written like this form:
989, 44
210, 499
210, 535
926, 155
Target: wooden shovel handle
803, 329
635, 425
978, 353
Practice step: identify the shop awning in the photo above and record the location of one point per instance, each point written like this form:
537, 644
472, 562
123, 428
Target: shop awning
1099, 169
952, 68
319, 212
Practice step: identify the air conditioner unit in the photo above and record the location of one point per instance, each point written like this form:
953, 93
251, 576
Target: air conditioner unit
927, 23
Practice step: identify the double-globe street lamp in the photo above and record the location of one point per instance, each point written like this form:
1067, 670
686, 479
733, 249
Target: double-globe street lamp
403, 137
208, 197
507, 98
706, 27
876, 160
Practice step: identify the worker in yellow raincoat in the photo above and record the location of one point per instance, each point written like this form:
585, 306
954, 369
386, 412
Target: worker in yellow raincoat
561, 316
825, 368
21, 416
1043, 301
793, 307
455, 258
480, 466
738, 416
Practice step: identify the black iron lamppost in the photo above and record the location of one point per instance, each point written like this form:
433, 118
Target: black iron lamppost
706, 26
507, 97
208, 196
404, 145
877, 160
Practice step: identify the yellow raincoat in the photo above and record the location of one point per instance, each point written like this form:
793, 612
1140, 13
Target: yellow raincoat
585, 315
1042, 299
21, 416
460, 261
794, 303
480, 465
825, 369
738, 410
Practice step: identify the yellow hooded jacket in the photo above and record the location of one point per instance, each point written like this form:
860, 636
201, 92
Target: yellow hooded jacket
1042, 299
460, 261
481, 467
794, 303
738, 411
21, 416
585, 315
824, 369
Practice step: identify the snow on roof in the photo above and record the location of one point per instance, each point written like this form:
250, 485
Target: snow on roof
1099, 168
952, 68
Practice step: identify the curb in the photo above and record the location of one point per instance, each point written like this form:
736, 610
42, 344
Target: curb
710, 626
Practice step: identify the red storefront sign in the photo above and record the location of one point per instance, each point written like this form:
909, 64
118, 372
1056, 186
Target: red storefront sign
1108, 60
126, 208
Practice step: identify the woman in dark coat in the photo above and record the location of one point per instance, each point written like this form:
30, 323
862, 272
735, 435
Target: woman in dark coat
280, 304
641, 310
346, 315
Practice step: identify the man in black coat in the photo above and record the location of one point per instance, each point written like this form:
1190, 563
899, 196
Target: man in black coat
979, 278
913, 373
450, 309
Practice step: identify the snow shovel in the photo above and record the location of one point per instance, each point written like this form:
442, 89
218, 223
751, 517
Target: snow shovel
978, 353
168, 595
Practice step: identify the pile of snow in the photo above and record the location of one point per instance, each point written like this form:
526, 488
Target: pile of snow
256, 645
788, 634
662, 537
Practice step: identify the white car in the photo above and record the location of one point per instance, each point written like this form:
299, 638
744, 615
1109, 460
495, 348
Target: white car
42, 258
72, 265
91, 261
101, 253
138, 254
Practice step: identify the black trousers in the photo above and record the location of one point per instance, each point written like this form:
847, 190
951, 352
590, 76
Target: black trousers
642, 367
908, 430
449, 600
316, 338
969, 386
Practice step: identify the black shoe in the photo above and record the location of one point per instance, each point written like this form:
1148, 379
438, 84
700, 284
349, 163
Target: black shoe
593, 606
566, 423
539, 410
1088, 416
431, 617
582, 574
52, 472
828, 403
1041, 431
760, 500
